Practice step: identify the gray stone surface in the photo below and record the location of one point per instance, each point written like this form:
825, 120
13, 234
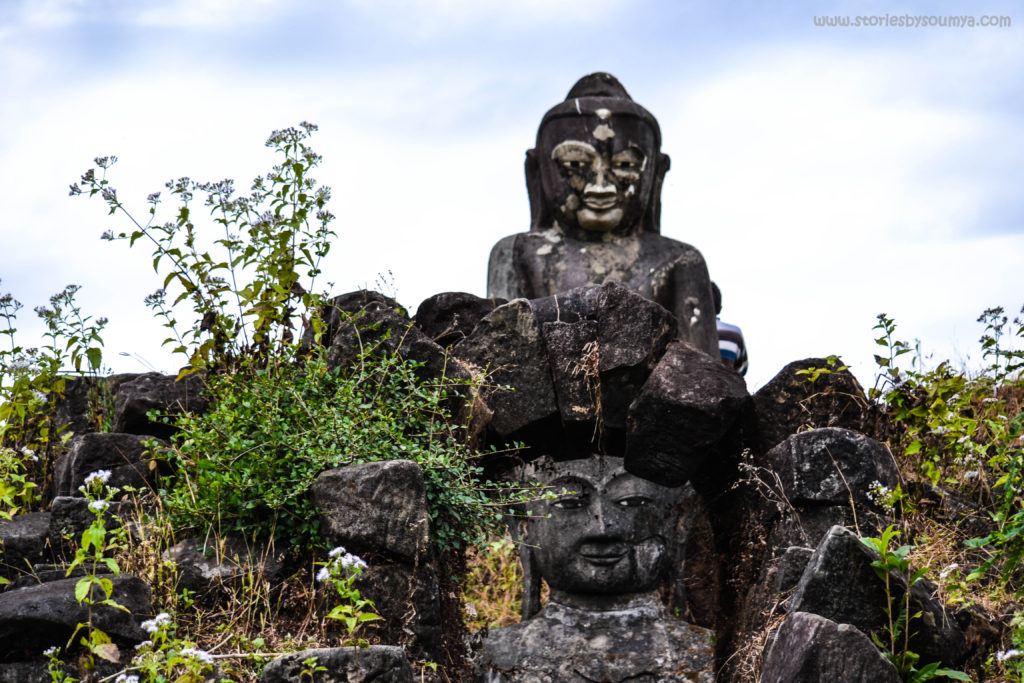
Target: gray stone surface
376, 506
508, 343
70, 516
686, 407
408, 599
789, 402
594, 181
202, 568
637, 642
831, 466
377, 663
450, 317
24, 540
790, 566
812, 649
155, 391
840, 584
34, 618
124, 455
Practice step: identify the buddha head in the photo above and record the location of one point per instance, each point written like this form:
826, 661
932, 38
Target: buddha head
597, 167
602, 535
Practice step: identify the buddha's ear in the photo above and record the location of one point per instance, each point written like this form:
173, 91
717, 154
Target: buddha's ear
652, 218
533, 190
531, 581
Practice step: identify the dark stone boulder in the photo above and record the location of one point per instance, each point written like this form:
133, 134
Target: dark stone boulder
408, 599
70, 516
830, 466
790, 566
377, 663
685, 409
602, 342
342, 308
509, 345
125, 456
202, 567
450, 317
382, 324
809, 648
24, 540
35, 618
790, 402
840, 584
377, 506
163, 393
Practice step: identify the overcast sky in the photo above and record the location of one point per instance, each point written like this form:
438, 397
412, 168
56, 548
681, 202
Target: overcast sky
827, 174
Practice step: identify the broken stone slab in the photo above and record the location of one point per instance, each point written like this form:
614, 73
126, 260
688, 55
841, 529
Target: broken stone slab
24, 540
812, 649
685, 409
202, 567
509, 345
126, 456
449, 317
163, 393
840, 584
790, 566
70, 516
790, 402
377, 663
35, 618
831, 466
602, 342
408, 599
376, 506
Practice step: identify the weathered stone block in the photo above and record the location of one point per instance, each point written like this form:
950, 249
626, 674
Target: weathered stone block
450, 317
812, 649
790, 402
377, 663
24, 541
840, 584
508, 343
831, 466
202, 568
684, 410
34, 618
408, 600
124, 455
163, 393
376, 506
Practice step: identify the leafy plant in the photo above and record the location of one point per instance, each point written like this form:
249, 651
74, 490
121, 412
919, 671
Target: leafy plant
244, 287
892, 563
353, 610
833, 364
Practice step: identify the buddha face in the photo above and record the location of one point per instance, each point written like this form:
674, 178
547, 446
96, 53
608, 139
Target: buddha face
604, 531
597, 170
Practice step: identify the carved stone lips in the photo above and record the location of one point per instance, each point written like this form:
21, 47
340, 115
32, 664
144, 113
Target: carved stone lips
601, 203
603, 554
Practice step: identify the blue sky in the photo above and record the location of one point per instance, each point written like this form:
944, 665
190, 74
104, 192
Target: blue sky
826, 174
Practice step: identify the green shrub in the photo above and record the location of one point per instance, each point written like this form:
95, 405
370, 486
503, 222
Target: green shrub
248, 463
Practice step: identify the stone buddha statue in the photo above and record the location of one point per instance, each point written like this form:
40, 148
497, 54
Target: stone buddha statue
594, 181
602, 545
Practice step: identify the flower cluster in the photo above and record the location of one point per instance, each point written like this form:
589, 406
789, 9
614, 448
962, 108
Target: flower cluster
153, 625
102, 476
880, 495
202, 656
1003, 655
341, 559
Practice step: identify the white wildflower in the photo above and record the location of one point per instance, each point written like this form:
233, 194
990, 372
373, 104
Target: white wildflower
323, 574
125, 678
51, 651
350, 561
195, 653
340, 550
153, 625
29, 453
948, 570
973, 474
144, 645
99, 505
1007, 654
102, 476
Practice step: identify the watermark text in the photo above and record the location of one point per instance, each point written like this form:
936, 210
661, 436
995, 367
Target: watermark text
914, 21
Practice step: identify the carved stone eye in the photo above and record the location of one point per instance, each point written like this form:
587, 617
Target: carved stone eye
633, 502
569, 503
